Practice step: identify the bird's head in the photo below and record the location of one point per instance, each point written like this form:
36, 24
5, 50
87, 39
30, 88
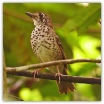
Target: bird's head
39, 18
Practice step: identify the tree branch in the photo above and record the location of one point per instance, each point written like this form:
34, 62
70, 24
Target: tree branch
76, 79
22, 71
46, 64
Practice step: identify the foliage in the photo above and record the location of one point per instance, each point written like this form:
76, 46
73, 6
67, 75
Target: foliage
79, 30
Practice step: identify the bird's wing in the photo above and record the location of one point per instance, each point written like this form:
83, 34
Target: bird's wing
61, 49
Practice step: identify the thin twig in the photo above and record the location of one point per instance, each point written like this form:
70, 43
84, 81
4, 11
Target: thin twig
76, 79
15, 14
46, 64
5, 97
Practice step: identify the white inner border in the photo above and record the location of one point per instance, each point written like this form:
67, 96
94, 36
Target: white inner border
57, 1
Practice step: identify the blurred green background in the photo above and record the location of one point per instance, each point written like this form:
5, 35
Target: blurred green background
77, 25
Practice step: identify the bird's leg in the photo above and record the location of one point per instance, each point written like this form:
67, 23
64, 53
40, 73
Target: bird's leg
58, 74
35, 72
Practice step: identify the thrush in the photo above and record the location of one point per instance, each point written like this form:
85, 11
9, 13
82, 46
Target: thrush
46, 46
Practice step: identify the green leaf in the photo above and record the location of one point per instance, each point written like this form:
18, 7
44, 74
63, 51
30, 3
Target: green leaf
84, 18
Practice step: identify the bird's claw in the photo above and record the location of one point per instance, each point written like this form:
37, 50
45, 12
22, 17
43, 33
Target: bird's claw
59, 76
35, 73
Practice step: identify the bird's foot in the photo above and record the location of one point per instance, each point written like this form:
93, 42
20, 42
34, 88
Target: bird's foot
36, 72
59, 76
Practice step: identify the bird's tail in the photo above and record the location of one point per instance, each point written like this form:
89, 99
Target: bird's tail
65, 87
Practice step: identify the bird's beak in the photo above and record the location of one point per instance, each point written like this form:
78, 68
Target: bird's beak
30, 14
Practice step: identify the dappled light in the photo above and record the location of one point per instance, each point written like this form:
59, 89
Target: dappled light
77, 25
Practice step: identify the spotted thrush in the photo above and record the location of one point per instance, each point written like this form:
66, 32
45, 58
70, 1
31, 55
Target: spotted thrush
47, 47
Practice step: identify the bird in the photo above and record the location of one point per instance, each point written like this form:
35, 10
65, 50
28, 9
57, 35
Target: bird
47, 47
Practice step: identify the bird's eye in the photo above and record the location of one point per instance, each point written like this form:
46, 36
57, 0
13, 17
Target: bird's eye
41, 15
